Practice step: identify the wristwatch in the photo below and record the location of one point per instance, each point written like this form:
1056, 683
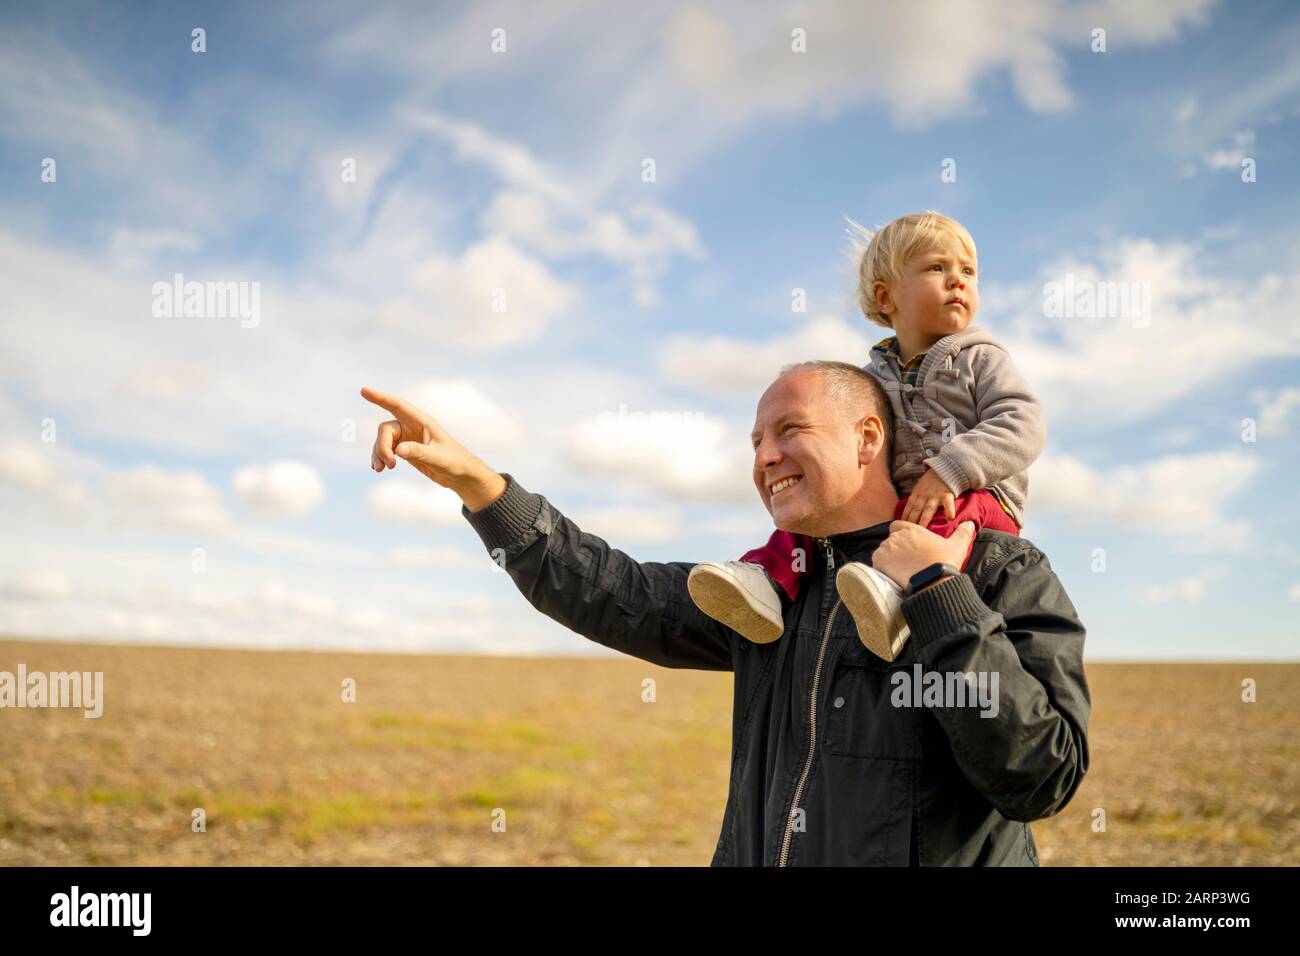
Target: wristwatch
928, 575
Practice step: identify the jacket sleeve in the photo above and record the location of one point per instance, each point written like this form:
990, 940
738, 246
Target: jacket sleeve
641, 608
1030, 757
1009, 433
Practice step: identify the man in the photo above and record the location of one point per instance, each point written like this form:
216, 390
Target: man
838, 756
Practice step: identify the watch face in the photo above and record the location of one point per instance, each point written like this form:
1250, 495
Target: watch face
923, 577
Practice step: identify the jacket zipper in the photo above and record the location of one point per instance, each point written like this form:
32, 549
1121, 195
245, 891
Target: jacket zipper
812, 712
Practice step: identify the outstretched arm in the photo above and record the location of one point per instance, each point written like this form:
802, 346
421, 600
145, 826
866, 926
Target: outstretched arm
640, 608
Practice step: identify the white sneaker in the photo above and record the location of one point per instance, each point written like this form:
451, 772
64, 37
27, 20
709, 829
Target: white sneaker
740, 595
876, 604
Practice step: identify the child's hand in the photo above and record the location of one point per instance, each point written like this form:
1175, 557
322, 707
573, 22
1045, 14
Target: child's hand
928, 496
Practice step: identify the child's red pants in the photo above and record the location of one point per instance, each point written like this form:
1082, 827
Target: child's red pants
778, 556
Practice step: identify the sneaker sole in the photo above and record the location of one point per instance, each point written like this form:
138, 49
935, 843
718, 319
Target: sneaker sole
722, 599
861, 595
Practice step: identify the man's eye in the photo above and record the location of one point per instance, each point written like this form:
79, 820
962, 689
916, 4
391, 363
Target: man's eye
784, 428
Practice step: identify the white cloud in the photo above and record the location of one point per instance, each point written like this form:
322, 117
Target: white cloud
167, 498
1176, 437
623, 525
751, 525
1275, 409
222, 386
37, 471
407, 503
691, 455
26, 466
275, 615
368, 158
1186, 109
644, 240
133, 249
1178, 496
1231, 157
510, 161
115, 361
38, 585
283, 487
1188, 590
1257, 96
739, 60
115, 590
277, 596
722, 363
160, 381
440, 557
305, 547
493, 295
559, 220
408, 224
64, 102
1101, 373
466, 410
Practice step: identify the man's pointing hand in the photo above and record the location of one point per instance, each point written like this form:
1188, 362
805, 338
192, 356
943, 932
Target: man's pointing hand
418, 438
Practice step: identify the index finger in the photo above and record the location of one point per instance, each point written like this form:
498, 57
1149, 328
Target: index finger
389, 402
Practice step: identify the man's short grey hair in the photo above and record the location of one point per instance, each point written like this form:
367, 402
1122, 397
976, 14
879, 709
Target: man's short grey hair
856, 394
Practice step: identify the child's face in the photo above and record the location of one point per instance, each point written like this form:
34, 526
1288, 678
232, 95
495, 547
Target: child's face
920, 302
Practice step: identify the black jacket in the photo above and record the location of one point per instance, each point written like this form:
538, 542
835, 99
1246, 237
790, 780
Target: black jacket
825, 768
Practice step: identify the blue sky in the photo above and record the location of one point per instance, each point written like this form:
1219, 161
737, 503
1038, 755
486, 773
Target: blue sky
522, 170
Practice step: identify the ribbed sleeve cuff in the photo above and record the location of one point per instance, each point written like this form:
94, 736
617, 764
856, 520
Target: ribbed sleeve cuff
504, 521
943, 608
952, 474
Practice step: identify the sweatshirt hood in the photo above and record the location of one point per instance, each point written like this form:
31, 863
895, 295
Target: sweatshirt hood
948, 345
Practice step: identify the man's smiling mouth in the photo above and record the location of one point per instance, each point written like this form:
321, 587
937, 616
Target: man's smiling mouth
783, 484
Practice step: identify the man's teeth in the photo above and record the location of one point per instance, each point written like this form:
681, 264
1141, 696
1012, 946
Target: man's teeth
785, 483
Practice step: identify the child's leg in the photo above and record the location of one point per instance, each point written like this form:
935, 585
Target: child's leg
752, 595
785, 558
875, 600
978, 505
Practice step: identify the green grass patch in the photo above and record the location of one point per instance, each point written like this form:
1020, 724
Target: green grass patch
423, 731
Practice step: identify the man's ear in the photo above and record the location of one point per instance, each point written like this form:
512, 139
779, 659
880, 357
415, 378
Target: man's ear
871, 439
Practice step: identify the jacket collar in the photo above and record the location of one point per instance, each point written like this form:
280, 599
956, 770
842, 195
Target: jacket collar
851, 544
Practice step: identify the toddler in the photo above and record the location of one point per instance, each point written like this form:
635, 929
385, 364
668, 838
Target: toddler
967, 427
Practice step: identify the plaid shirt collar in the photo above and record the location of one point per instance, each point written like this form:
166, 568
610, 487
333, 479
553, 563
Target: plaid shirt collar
908, 369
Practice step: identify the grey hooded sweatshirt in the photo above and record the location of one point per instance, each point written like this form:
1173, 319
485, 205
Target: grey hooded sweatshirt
971, 417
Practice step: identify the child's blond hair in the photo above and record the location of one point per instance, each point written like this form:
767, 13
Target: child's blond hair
882, 256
